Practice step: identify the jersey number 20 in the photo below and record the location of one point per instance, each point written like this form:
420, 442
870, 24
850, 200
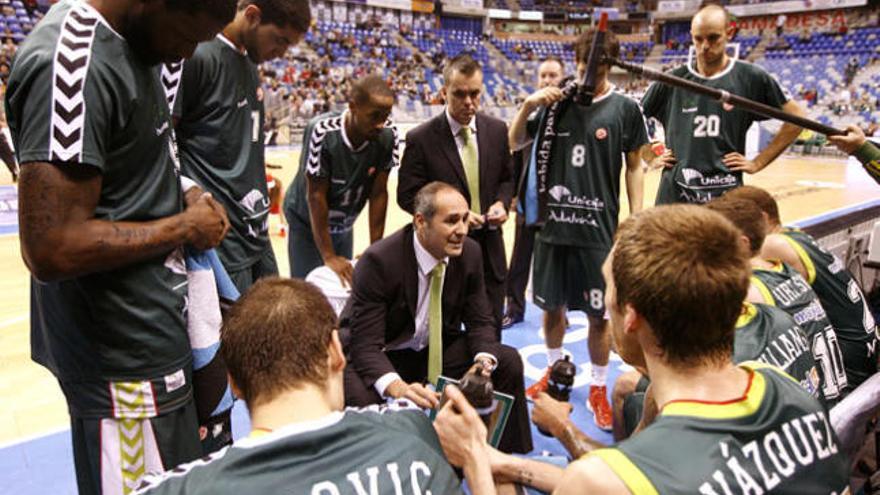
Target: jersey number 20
707, 126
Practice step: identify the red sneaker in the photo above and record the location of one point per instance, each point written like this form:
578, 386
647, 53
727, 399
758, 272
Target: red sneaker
539, 386
598, 405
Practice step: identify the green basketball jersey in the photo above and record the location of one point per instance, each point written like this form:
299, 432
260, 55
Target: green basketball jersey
584, 178
783, 287
378, 450
327, 154
220, 137
700, 131
776, 438
845, 304
78, 97
770, 335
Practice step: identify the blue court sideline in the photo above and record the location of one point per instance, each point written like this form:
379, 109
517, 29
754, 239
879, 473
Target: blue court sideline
45, 465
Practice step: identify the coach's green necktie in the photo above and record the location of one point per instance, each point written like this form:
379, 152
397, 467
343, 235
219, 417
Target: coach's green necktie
435, 323
471, 164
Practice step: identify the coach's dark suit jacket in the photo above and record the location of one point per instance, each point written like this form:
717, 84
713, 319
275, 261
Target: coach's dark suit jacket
380, 315
382, 308
431, 155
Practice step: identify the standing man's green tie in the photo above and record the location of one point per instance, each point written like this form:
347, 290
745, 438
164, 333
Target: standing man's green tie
471, 163
435, 323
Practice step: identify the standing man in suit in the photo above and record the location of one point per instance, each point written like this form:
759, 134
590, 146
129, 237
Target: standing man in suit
411, 293
475, 159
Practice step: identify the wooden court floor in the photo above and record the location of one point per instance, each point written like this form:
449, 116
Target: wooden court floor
33, 404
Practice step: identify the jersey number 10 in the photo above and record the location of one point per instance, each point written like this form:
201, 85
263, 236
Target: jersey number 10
827, 352
707, 126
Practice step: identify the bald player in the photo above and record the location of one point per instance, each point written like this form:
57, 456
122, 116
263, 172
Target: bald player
705, 139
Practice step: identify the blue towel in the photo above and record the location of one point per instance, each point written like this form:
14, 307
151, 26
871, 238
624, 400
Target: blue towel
210, 289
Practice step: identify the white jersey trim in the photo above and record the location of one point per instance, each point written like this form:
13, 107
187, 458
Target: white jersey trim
730, 65
316, 141
70, 68
290, 430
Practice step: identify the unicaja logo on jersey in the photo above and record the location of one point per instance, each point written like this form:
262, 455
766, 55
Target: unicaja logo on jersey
690, 175
559, 192
251, 199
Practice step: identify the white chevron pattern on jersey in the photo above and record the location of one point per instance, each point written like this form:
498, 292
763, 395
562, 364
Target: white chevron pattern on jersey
321, 128
72, 57
171, 74
395, 151
171, 81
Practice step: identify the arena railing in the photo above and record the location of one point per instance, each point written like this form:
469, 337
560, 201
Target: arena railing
847, 233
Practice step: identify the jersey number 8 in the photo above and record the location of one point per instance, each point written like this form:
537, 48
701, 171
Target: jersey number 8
578, 155
707, 126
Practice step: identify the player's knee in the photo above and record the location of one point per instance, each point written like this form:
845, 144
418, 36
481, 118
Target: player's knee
624, 386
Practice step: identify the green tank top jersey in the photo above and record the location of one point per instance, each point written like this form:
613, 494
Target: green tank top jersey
375, 450
328, 154
79, 97
770, 335
782, 286
775, 439
844, 302
700, 131
584, 179
220, 137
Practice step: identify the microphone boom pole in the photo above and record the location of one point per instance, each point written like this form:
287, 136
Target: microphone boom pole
724, 97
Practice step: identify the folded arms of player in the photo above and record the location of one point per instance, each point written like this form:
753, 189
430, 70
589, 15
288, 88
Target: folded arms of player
61, 238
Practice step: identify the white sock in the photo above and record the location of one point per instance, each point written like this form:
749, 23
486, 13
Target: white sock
553, 355
599, 374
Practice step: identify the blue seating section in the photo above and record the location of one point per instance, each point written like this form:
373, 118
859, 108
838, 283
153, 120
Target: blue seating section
565, 51
16, 20
340, 53
860, 42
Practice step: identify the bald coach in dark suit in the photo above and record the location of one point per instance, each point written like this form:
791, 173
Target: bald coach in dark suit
469, 151
387, 326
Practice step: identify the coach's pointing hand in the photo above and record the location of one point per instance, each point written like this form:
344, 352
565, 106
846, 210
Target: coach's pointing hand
207, 223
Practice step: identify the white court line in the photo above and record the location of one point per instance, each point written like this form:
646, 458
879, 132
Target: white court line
29, 438
14, 320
